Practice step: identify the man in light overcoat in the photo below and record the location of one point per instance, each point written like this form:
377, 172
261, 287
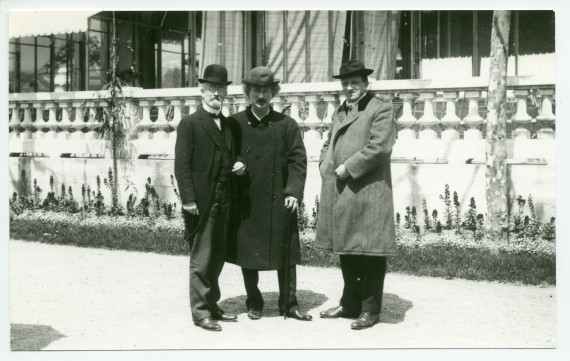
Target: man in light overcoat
356, 213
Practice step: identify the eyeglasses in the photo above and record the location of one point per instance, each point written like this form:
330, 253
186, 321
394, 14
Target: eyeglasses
222, 89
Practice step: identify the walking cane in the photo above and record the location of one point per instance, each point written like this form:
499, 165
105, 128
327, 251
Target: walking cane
287, 255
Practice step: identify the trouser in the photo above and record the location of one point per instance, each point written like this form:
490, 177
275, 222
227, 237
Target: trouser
363, 282
208, 255
255, 299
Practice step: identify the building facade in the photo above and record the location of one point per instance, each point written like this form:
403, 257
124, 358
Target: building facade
432, 65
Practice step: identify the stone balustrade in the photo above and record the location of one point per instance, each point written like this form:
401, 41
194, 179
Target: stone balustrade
52, 124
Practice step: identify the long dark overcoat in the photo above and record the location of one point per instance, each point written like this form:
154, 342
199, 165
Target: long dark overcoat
198, 157
356, 215
276, 162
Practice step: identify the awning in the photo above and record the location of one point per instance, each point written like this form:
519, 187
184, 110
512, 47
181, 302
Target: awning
35, 23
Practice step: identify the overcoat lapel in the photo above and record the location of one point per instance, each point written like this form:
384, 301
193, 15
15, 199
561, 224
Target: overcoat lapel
347, 119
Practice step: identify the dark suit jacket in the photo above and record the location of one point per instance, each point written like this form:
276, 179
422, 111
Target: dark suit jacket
198, 157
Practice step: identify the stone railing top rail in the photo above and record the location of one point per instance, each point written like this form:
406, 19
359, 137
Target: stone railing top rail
332, 88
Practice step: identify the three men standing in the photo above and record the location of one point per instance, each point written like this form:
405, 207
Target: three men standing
356, 218
267, 238
356, 213
205, 158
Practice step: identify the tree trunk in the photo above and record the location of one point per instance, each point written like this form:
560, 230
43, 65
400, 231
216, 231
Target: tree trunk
496, 144
114, 135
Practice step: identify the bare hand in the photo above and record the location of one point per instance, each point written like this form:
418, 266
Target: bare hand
191, 207
341, 172
239, 168
291, 204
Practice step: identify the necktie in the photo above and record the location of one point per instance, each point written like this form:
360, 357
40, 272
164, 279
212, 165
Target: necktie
215, 116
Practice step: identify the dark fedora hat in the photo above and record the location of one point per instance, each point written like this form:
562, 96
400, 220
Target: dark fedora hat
352, 67
261, 75
215, 73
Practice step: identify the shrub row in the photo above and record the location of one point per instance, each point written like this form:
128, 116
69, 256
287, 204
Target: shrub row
437, 255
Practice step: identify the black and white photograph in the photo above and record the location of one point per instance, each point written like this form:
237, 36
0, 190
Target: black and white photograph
379, 179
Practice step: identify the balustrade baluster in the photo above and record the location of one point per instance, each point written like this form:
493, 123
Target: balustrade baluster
177, 113
407, 120
39, 122
27, 124
428, 120
546, 117
65, 123
161, 135
473, 120
78, 123
311, 125
145, 123
331, 107
521, 119
450, 120
52, 123
294, 110
14, 122
91, 123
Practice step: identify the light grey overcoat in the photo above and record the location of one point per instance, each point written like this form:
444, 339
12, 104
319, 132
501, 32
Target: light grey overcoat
356, 215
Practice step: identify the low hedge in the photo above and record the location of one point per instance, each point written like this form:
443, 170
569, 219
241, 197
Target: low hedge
437, 255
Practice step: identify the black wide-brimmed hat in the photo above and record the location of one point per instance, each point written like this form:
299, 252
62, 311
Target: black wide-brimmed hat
261, 75
215, 73
352, 67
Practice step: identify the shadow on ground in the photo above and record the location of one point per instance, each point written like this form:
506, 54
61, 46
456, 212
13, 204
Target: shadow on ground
394, 308
31, 337
308, 300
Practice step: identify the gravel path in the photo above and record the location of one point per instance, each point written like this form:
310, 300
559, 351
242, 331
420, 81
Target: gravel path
96, 299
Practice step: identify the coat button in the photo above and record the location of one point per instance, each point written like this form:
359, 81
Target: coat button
273, 174
274, 195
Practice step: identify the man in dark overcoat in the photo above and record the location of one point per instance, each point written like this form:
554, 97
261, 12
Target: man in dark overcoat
205, 159
356, 212
273, 185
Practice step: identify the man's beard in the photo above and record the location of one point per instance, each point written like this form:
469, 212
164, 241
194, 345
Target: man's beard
215, 103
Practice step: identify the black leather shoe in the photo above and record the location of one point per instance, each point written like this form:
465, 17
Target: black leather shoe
297, 314
337, 312
222, 316
254, 314
208, 324
366, 320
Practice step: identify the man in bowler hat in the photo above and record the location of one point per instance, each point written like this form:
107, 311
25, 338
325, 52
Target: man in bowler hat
273, 185
205, 159
356, 213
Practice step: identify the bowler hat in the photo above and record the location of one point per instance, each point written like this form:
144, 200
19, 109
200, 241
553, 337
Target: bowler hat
352, 67
215, 73
261, 75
